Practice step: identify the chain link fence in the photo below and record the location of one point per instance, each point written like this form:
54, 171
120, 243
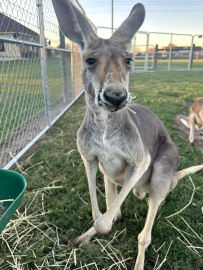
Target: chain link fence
40, 74
156, 51
40, 69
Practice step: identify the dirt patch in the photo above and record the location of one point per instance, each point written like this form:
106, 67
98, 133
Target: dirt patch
46, 137
82, 97
189, 103
183, 131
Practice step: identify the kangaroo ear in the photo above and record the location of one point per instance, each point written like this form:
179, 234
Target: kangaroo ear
72, 22
129, 27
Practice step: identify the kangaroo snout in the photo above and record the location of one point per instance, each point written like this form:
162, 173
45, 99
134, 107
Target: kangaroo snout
115, 95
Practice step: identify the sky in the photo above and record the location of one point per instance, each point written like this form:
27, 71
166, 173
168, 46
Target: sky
168, 16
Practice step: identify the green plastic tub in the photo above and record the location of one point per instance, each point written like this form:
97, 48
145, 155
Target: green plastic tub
12, 186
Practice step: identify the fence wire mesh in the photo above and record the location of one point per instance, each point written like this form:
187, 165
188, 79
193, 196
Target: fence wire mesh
40, 74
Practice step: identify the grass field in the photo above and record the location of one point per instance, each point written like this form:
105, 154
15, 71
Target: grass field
57, 208
21, 95
22, 106
175, 64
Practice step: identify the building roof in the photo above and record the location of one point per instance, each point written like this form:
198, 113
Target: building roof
181, 49
8, 25
185, 49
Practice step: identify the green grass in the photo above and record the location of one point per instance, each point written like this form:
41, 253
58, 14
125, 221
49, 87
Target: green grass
166, 94
175, 64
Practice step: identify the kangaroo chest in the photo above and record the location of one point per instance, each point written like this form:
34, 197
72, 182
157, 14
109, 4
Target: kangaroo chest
107, 141
112, 164
111, 156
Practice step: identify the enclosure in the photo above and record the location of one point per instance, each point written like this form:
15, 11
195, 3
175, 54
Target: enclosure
41, 69
40, 83
40, 75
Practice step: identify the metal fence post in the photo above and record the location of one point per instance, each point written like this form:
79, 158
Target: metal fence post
72, 71
146, 53
191, 54
72, 67
64, 68
134, 47
156, 51
44, 63
169, 60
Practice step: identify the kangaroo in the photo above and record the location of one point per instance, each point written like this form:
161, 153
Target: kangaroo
195, 118
128, 142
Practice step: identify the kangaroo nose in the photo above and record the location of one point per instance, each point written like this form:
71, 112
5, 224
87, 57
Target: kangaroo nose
115, 95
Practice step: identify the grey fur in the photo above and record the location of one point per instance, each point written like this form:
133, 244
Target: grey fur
72, 22
133, 150
130, 26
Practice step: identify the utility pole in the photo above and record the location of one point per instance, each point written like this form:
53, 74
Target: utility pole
112, 17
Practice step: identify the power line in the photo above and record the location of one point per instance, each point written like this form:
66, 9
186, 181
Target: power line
89, 3
151, 11
149, 3
164, 4
93, 3
161, 2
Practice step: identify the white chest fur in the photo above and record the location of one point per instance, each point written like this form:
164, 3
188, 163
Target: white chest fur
102, 139
111, 158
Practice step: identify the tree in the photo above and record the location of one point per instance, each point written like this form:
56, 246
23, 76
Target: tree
168, 46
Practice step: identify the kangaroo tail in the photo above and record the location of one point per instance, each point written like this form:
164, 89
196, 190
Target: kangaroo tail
187, 171
185, 123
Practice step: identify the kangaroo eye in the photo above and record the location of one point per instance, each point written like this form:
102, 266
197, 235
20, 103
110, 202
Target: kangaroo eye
128, 61
91, 61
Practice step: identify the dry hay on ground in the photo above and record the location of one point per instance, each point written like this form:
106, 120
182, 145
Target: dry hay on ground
183, 131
